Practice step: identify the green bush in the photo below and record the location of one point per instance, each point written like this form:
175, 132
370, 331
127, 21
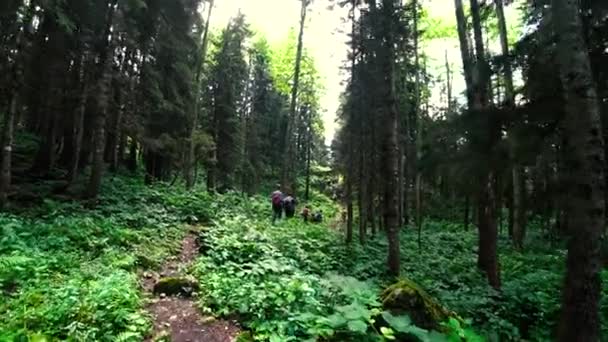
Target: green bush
69, 272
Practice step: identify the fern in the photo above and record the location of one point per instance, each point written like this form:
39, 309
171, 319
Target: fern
11, 263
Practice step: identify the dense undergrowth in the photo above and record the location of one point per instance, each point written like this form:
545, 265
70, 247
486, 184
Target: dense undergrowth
70, 273
288, 282
295, 281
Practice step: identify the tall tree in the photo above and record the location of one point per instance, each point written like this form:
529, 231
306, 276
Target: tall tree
390, 125
103, 75
6, 136
517, 171
584, 178
476, 78
418, 124
288, 143
350, 172
229, 79
200, 63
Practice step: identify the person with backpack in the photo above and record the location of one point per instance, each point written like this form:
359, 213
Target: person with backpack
276, 199
305, 214
289, 204
317, 217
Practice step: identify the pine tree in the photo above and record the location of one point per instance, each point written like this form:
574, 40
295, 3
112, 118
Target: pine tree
229, 77
584, 182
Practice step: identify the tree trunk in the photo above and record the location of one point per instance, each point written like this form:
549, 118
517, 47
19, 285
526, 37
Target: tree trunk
349, 207
465, 50
476, 82
103, 98
201, 63
115, 141
488, 234
361, 203
519, 215
7, 145
308, 154
288, 146
584, 183
132, 161
418, 127
518, 183
390, 144
467, 206
78, 126
504, 43
7, 134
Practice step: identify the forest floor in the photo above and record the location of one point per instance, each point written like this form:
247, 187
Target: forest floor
176, 317
70, 272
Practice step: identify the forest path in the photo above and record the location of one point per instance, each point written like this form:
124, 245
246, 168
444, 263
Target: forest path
177, 317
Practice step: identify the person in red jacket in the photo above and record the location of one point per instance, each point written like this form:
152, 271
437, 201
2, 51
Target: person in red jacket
276, 199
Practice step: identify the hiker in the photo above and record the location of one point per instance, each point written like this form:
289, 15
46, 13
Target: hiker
305, 214
277, 204
289, 204
317, 217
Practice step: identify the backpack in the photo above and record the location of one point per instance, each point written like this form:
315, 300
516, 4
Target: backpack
276, 199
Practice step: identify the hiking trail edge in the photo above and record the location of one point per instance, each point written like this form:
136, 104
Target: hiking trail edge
176, 317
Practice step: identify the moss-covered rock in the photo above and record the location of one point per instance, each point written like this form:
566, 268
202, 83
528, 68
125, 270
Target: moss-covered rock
176, 286
407, 298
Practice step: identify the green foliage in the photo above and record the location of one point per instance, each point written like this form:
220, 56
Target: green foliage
284, 281
68, 272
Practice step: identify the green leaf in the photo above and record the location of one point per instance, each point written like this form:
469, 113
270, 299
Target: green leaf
357, 326
336, 320
387, 333
399, 323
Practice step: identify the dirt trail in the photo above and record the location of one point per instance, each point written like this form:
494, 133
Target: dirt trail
176, 318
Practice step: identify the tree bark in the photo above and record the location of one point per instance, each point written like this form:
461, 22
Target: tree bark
78, 125
488, 234
308, 157
349, 208
465, 50
477, 88
418, 127
518, 180
132, 161
190, 178
7, 145
99, 122
390, 144
288, 146
467, 206
584, 179
361, 203
7, 134
519, 214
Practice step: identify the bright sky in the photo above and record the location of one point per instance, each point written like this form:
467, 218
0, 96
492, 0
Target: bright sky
325, 37
274, 19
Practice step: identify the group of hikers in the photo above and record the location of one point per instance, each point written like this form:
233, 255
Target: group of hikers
287, 203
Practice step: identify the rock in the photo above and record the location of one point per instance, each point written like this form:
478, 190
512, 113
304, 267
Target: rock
208, 320
176, 286
407, 297
245, 336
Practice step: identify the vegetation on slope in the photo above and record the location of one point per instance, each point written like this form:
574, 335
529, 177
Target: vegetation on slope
68, 272
294, 280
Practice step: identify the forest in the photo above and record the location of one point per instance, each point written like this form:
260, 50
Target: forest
459, 189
